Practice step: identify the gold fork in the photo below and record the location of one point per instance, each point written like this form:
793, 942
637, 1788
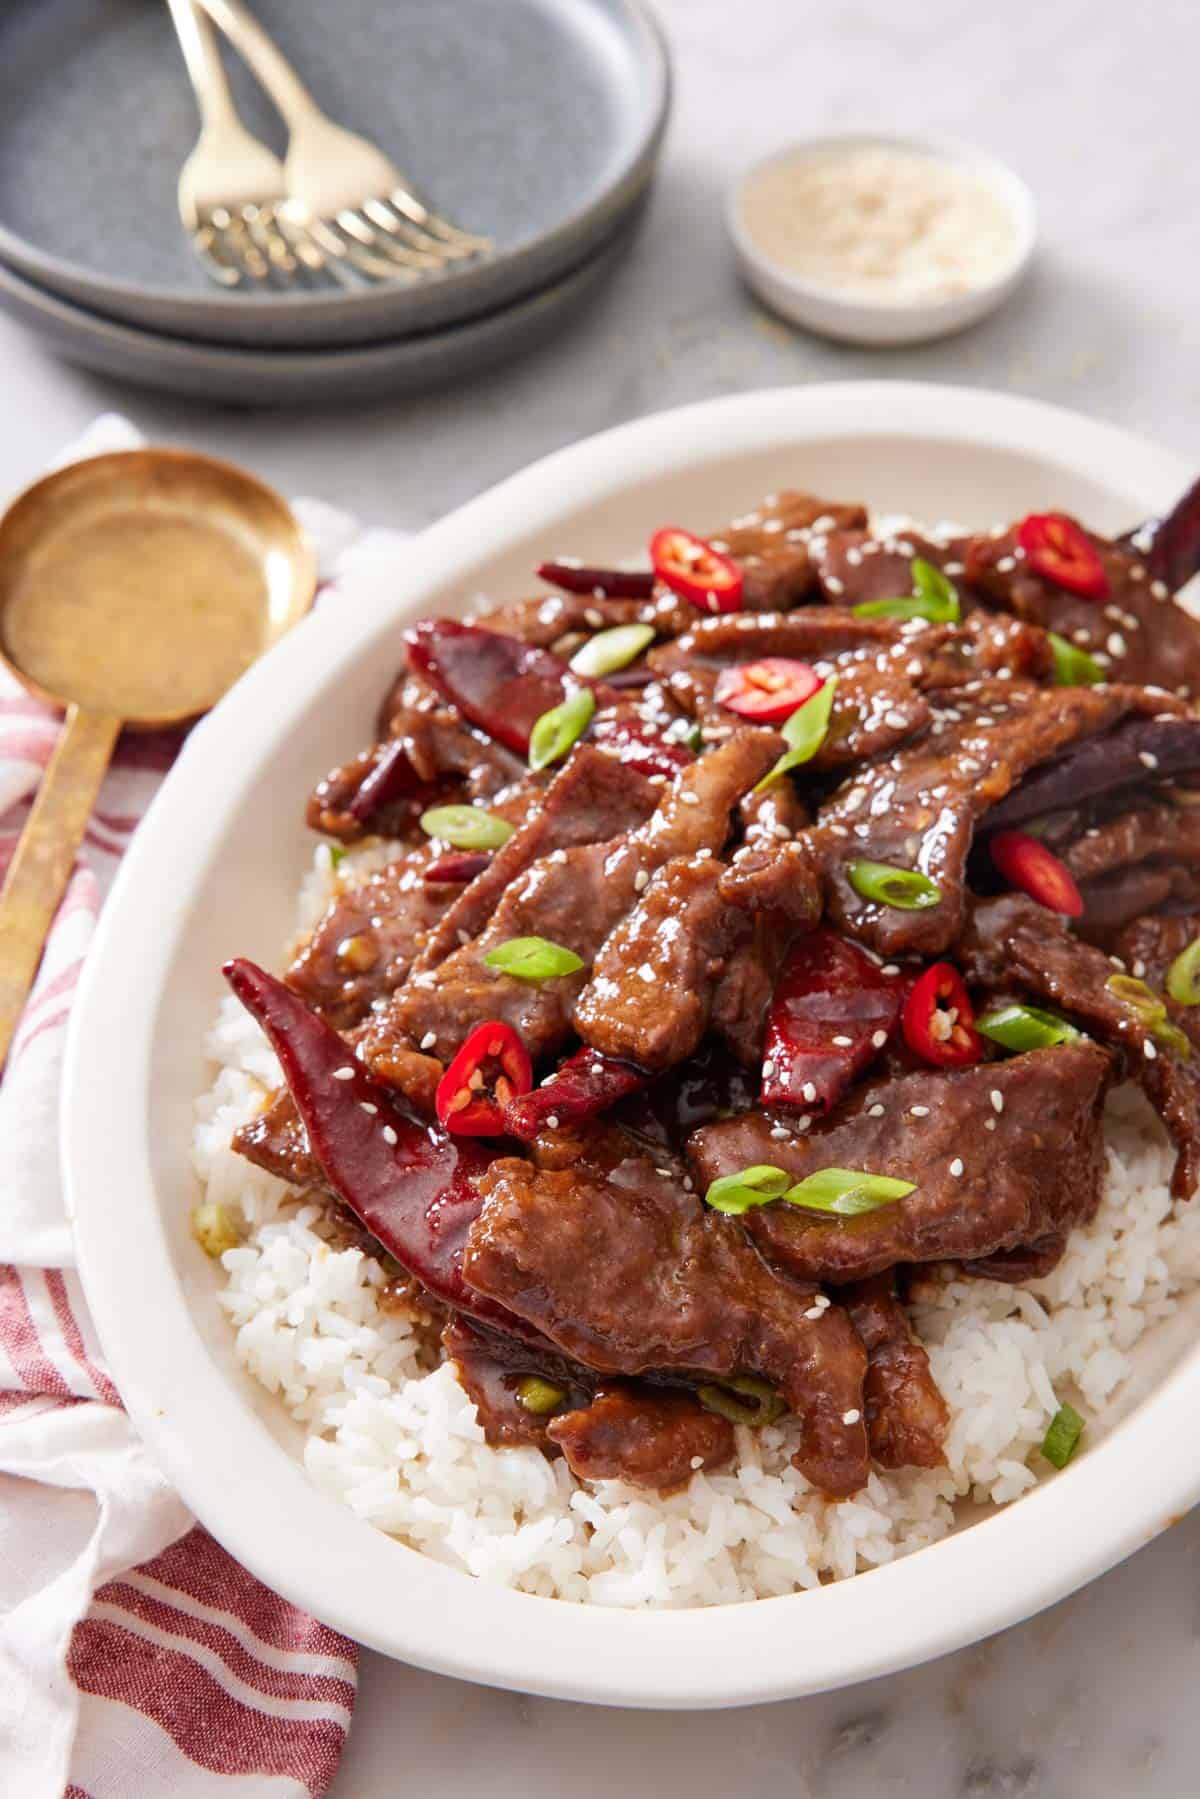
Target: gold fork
342, 191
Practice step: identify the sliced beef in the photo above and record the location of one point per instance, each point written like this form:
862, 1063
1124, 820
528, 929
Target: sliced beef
1137, 632
547, 618
987, 1179
857, 566
918, 809
774, 544
1148, 831
275, 1139
1156, 742
907, 1418
1111, 901
649, 1437
491, 1369
629, 1273
1148, 947
782, 880
364, 945
650, 995
742, 995
1013, 940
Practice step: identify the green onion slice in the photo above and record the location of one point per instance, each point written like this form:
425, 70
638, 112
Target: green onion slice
466, 827
608, 651
1183, 976
736, 1193
556, 730
933, 598
804, 731
765, 1408
1073, 667
540, 1396
1062, 1439
906, 889
533, 959
337, 855
846, 1191
1151, 1009
1025, 1027
215, 1229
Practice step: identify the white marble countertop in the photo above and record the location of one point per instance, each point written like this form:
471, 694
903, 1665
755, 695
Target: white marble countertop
1094, 103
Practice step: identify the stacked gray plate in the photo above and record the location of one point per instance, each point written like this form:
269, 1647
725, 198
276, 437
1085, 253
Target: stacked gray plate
537, 122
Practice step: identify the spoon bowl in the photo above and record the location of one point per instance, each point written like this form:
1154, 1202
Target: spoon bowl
134, 589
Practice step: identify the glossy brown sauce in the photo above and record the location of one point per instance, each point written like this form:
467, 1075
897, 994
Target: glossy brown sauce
143, 614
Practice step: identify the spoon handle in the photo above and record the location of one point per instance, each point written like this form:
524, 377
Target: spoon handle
45, 855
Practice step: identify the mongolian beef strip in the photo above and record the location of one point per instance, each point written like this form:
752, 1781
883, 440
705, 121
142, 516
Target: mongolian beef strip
573, 898
907, 1418
649, 1437
1001, 1155
275, 1139
1128, 622
629, 1273
1012, 941
774, 544
492, 1368
918, 808
1148, 948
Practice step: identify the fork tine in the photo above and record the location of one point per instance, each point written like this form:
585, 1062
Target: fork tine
409, 207
213, 253
240, 245
355, 225
265, 234
336, 245
402, 231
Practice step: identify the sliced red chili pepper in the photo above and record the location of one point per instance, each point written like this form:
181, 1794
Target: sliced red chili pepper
938, 1021
605, 583
411, 1185
695, 571
1056, 548
1028, 865
767, 691
490, 1070
462, 865
832, 1012
585, 1085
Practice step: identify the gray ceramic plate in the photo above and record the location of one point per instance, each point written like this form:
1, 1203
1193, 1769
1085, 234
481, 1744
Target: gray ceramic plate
536, 121
305, 377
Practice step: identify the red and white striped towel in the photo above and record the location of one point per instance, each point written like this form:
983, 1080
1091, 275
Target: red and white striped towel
136, 1657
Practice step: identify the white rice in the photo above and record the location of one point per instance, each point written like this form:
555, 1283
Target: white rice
402, 1447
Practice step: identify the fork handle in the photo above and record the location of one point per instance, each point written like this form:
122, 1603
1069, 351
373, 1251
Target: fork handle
205, 69
266, 61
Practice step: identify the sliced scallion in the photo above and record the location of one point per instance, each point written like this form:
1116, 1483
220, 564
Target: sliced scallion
933, 598
1062, 1439
1151, 1010
215, 1229
804, 731
736, 1193
727, 1401
540, 1396
557, 730
466, 827
1183, 976
533, 959
337, 855
611, 650
905, 889
846, 1191
1025, 1027
1073, 667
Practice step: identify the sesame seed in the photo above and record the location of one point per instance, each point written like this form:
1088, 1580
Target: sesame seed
878, 1039
429, 1039
890, 968
641, 880
768, 1069
802, 1124
1116, 644
364, 1105
956, 1167
780, 1133
844, 1042
647, 974
593, 618
834, 585
989, 1124
697, 1463
389, 1135
920, 1111
875, 1111
1147, 759
690, 799
1149, 1051
852, 1416
1139, 968
343, 1074
1159, 590
814, 1311
665, 1172
808, 1092
997, 1100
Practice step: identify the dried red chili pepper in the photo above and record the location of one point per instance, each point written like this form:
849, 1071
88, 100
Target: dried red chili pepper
767, 691
833, 1011
409, 1183
622, 732
392, 778
491, 1069
462, 865
938, 1020
604, 583
1029, 866
585, 1085
496, 681
1056, 548
695, 571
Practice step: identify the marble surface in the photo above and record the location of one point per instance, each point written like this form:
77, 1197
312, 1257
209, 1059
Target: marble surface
1094, 102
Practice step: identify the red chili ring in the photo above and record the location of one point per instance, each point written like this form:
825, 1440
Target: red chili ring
767, 691
1056, 548
471, 1107
695, 571
938, 1021
1029, 866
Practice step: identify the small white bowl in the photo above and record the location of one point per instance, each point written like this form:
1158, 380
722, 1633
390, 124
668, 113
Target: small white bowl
850, 317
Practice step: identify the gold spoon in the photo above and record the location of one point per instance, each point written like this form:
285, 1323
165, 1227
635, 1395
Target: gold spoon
134, 589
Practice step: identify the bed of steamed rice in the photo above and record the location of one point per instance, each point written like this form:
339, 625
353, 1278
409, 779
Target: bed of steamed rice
403, 1449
